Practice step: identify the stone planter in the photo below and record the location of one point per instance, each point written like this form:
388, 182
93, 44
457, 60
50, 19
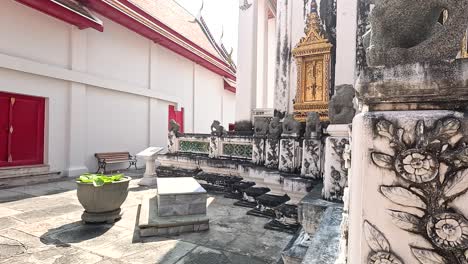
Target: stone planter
102, 204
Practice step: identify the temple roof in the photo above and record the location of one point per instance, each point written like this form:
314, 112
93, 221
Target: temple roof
179, 19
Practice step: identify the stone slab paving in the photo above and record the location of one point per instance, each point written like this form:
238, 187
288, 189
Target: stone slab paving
41, 224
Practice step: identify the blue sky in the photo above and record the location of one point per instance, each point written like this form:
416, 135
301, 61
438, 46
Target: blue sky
218, 14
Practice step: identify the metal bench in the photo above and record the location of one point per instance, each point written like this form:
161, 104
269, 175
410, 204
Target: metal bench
113, 158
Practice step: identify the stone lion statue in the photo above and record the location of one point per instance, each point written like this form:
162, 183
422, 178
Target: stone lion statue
275, 128
313, 125
261, 127
217, 129
291, 126
341, 109
405, 32
174, 127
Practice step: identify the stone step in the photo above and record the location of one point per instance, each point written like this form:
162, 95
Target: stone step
20, 179
9, 172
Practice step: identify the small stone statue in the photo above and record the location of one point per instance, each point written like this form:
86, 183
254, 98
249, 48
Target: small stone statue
405, 32
174, 127
313, 125
341, 109
261, 127
217, 129
291, 127
275, 129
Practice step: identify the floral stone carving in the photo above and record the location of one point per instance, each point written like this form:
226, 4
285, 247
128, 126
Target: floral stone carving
432, 168
381, 253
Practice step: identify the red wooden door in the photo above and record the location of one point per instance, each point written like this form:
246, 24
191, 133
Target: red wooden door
21, 130
178, 116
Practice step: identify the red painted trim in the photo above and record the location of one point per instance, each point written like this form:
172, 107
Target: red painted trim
229, 87
62, 13
130, 23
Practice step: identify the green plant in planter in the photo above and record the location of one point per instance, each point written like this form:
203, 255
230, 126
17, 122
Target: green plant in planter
100, 179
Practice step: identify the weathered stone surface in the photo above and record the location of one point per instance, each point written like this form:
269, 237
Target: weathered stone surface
410, 31
289, 158
61, 238
423, 86
391, 193
324, 246
341, 109
312, 158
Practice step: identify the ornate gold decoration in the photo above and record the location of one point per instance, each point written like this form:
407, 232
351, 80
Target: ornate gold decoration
464, 52
312, 55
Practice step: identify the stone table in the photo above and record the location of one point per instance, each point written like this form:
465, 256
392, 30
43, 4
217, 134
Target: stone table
178, 207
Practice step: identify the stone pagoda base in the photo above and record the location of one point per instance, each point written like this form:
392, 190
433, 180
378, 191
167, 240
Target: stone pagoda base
179, 207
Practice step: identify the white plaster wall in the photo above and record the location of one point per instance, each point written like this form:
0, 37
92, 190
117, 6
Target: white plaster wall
229, 106
271, 62
119, 53
27, 33
56, 94
121, 86
346, 41
208, 99
174, 74
115, 122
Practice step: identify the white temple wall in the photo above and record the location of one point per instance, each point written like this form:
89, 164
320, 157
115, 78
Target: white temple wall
271, 62
346, 38
105, 91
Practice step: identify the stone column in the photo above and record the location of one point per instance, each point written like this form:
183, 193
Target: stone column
214, 147
335, 174
77, 107
312, 158
247, 61
258, 150
290, 154
262, 54
283, 54
346, 22
272, 153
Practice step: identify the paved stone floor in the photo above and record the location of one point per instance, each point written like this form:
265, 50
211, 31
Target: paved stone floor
41, 224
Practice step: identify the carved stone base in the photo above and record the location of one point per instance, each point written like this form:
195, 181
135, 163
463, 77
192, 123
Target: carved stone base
258, 151
335, 173
272, 153
106, 217
311, 159
290, 155
408, 188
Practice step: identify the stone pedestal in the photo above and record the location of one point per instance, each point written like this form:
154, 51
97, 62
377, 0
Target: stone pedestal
289, 159
172, 142
179, 207
335, 174
312, 158
258, 151
214, 147
272, 153
408, 191
150, 155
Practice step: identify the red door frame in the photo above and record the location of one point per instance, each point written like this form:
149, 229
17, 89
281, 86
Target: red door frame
14, 146
178, 116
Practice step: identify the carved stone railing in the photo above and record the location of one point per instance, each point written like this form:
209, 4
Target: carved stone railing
239, 147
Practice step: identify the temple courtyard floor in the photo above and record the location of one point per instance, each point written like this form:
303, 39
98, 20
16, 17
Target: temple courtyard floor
41, 224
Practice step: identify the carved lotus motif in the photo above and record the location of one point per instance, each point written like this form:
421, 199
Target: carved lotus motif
384, 258
417, 166
448, 230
